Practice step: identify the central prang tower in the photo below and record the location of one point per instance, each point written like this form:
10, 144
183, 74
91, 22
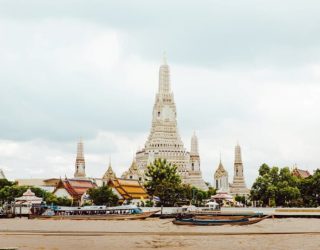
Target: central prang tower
164, 140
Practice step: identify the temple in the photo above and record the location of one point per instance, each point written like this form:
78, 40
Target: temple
134, 172
221, 182
300, 173
74, 189
109, 174
164, 140
80, 165
238, 187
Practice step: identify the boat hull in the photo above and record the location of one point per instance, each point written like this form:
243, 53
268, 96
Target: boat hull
95, 217
199, 222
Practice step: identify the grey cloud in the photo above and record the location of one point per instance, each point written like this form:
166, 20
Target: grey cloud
210, 33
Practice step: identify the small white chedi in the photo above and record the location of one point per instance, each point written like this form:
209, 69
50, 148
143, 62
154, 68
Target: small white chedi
80, 165
164, 140
238, 187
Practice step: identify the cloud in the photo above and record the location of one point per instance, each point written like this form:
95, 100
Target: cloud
247, 72
212, 33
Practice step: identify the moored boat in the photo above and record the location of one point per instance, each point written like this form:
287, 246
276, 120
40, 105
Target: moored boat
129, 212
218, 221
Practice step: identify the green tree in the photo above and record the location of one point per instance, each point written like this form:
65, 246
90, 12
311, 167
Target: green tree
9, 193
103, 196
211, 191
164, 182
276, 186
240, 199
5, 182
310, 189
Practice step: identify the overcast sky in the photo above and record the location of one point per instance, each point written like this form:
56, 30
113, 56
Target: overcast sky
246, 71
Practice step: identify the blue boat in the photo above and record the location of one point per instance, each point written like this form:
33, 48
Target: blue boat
217, 222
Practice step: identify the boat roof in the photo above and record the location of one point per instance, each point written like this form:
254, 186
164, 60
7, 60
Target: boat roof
92, 208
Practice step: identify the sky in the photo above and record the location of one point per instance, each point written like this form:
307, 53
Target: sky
241, 71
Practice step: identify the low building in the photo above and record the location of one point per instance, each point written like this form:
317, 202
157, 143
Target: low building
74, 189
28, 201
129, 191
48, 185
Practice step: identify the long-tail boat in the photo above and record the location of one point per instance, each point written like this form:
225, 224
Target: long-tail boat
129, 212
218, 221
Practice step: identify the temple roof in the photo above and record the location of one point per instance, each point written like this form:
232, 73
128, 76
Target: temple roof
129, 189
75, 187
109, 173
220, 171
134, 167
28, 196
301, 173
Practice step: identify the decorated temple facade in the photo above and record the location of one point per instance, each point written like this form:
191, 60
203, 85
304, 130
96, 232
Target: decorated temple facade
221, 181
134, 172
164, 140
109, 174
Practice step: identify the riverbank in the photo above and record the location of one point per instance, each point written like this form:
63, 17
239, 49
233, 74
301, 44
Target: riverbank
153, 233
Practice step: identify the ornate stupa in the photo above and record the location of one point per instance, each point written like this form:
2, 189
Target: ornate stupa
80, 165
238, 187
109, 174
134, 172
164, 140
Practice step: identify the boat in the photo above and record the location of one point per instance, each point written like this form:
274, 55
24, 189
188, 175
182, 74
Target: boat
218, 221
128, 212
219, 217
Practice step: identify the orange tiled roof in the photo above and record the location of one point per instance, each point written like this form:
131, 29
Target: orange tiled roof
301, 173
76, 187
129, 189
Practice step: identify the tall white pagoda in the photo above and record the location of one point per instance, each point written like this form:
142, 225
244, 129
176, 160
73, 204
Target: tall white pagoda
164, 140
80, 165
238, 187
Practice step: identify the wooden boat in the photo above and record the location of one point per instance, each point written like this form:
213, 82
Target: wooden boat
94, 213
141, 216
221, 217
218, 222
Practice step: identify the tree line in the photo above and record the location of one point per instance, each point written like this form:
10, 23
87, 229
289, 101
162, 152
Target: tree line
279, 187
10, 190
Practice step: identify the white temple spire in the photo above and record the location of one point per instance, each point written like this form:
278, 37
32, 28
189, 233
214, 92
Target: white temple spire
80, 162
194, 144
238, 187
237, 154
164, 77
164, 58
109, 161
